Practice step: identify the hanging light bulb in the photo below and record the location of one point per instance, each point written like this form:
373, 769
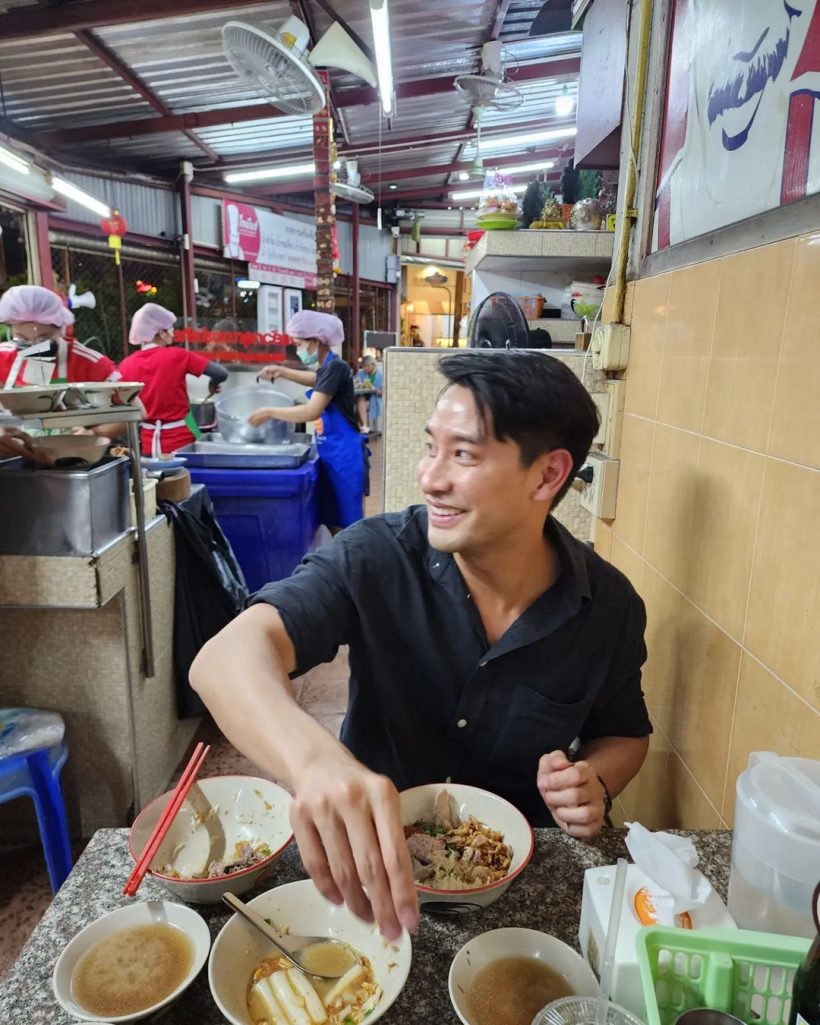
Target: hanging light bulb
564, 104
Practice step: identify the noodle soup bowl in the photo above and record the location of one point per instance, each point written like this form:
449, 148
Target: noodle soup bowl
299, 908
151, 912
501, 944
495, 813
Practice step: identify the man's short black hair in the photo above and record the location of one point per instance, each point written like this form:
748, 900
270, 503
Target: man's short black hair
530, 398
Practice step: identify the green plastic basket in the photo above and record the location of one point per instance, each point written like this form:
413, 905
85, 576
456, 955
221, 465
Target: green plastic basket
747, 974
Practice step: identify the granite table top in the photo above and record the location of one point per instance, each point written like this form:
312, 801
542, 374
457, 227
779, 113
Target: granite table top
547, 896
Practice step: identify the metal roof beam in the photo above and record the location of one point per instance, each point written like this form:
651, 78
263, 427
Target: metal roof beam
29, 22
122, 71
256, 112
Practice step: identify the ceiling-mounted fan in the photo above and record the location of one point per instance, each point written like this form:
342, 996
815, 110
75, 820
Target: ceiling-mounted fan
489, 90
280, 67
352, 189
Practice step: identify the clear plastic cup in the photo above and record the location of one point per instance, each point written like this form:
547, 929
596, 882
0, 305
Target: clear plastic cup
583, 1011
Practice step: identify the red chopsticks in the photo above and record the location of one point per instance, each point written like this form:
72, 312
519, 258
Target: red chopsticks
178, 795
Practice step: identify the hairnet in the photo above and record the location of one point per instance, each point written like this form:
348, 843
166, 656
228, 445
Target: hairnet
148, 321
24, 304
324, 326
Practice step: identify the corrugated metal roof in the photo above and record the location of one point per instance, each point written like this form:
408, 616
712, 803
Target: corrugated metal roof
268, 136
149, 210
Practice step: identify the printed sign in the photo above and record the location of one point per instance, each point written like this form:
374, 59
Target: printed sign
740, 134
279, 250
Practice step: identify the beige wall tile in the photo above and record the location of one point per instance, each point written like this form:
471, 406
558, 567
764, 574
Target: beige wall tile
690, 322
648, 795
688, 807
646, 345
627, 561
602, 538
701, 700
768, 717
727, 500
784, 606
633, 482
671, 502
665, 618
795, 431
746, 348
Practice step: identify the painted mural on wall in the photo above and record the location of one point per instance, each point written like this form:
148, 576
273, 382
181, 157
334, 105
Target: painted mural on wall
741, 130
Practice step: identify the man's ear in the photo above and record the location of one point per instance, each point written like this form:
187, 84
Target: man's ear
553, 469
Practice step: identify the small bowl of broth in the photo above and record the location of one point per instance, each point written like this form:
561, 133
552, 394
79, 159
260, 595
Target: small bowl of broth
132, 962
505, 976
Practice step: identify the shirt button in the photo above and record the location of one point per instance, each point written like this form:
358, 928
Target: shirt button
461, 723
482, 664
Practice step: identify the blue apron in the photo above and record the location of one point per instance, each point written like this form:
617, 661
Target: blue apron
341, 468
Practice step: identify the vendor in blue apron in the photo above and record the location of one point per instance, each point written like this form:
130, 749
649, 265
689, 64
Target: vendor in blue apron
318, 339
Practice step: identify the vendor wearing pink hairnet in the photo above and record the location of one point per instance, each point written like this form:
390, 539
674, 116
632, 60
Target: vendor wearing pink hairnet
163, 368
318, 338
38, 354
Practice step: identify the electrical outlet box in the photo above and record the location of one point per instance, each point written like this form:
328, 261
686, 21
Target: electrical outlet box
610, 347
599, 497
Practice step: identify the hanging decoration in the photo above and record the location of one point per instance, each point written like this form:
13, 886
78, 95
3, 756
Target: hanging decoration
114, 227
146, 288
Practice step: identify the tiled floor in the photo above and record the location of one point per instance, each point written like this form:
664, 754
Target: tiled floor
24, 888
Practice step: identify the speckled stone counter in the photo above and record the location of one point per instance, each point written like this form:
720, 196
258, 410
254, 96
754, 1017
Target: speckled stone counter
547, 896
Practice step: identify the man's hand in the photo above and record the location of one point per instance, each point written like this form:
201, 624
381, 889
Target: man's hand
573, 793
261, 416
347, 824
16, 443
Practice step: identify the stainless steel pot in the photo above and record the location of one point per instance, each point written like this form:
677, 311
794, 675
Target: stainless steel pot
234, 407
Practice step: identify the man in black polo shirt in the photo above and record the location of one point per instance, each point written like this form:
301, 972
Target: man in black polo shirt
484, 640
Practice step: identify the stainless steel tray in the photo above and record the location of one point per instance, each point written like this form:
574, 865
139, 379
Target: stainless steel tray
215, 453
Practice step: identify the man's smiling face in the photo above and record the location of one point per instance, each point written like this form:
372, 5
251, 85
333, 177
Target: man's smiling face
740, 53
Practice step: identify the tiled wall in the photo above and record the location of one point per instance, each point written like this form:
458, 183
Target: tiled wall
412, 382
718, 522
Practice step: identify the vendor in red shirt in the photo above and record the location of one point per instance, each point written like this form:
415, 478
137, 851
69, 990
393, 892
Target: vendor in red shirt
38, 354
163, 367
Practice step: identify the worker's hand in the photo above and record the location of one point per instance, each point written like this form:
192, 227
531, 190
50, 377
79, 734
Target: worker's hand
271, 374
82, 431
573, 793
15, 443
214, 388
261, 416
347, 823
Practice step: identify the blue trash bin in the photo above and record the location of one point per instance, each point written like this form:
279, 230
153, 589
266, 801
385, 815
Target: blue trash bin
270, 517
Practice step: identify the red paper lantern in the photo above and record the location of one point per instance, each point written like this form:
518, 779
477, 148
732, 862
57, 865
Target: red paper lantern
114, 225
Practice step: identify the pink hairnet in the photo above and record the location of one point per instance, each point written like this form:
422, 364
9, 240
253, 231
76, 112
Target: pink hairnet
324, 326
148, 321
24, 304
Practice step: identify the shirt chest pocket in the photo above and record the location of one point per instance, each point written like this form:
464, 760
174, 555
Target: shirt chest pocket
533, 725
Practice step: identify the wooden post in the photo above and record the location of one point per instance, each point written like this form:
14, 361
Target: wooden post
324, 203
458, 303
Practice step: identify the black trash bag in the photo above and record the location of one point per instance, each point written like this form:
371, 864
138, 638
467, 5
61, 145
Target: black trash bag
210, 591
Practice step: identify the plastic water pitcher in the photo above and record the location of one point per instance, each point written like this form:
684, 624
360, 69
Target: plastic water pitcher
776, 845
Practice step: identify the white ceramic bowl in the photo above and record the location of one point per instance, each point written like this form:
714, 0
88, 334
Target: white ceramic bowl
28, 399
491, 946
488, 808
69, 446
152, 912
247, 808
300, 907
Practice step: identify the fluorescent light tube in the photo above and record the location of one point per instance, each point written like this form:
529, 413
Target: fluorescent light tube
269, 173
380, 19
245, 284
71, 191
539, 165
564, 104
530, 139
475, 193
13, 161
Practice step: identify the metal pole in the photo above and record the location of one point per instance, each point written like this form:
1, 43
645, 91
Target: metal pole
123, 314
187, 251
146, 625
355, 301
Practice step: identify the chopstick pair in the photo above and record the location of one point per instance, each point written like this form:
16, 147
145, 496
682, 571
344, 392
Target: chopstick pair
178, 795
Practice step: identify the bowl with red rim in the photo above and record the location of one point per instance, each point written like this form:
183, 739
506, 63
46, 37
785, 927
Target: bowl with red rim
492, 811
226, 837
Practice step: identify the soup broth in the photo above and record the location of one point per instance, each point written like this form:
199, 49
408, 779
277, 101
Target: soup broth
512, 990
131, 970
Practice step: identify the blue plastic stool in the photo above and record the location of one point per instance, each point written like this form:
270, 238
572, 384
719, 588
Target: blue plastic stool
32, 754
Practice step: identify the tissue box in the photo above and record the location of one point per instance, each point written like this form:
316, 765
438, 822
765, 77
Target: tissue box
627, 989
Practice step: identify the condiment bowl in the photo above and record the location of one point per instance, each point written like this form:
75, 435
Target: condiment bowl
491, 946
496, 813
152, 912
301, 909
218, 813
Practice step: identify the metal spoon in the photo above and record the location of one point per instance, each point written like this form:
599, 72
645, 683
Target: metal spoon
319, 956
